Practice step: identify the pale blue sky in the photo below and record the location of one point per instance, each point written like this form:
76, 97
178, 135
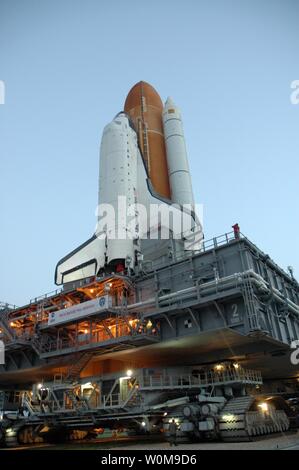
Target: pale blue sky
68, 65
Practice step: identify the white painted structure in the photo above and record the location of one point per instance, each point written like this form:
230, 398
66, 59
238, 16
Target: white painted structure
177, 160
79, 311
117, 183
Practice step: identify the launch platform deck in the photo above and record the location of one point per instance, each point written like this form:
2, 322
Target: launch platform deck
229, 300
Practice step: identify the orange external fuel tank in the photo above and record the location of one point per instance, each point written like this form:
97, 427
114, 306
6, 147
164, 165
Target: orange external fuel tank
144, 106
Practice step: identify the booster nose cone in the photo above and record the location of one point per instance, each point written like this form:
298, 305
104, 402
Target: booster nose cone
171, 109
144, 106
169, 102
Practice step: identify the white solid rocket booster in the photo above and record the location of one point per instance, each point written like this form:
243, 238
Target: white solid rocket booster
178, 168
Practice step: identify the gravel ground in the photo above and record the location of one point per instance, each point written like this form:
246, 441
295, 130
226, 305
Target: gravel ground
283, 441
288, 441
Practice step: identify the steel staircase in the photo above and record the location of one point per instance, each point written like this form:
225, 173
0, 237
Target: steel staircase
80, 362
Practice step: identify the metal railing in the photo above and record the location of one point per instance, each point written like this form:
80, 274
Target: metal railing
218, 241
81, 340
131, 398
5, 306
206, 245
111, 400
202, 380
46, 296
185, 254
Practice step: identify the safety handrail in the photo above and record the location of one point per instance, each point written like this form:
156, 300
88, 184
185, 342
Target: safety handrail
203, 379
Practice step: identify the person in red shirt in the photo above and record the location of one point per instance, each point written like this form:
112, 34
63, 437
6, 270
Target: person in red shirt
236, 229
120, 268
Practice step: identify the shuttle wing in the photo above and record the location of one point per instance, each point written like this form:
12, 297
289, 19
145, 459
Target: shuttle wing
84, 261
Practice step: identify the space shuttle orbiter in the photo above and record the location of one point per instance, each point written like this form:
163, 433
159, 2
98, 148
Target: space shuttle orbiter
143, 164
